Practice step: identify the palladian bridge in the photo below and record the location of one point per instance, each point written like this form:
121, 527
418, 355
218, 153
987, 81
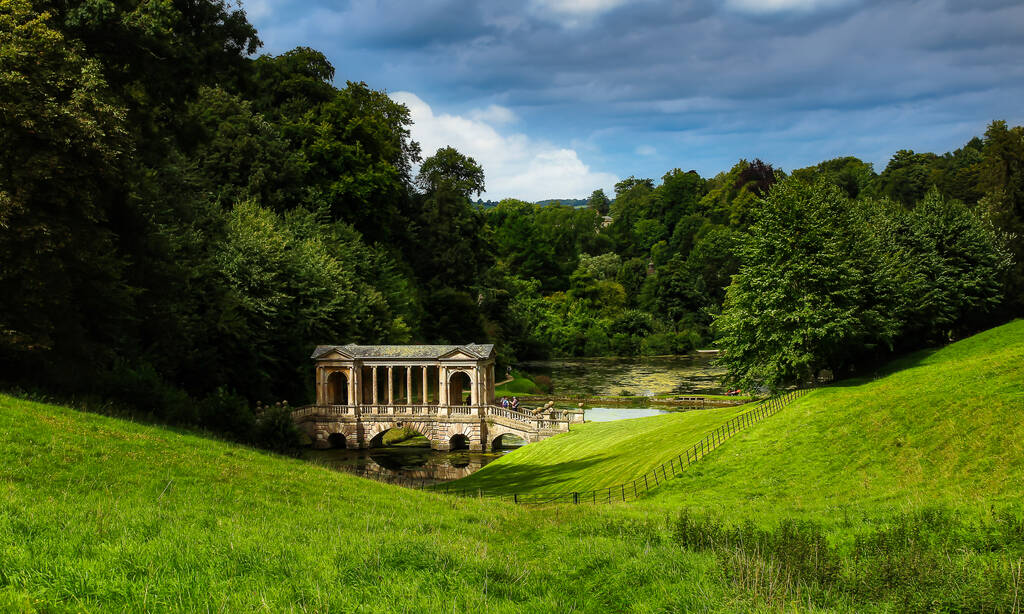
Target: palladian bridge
444, 392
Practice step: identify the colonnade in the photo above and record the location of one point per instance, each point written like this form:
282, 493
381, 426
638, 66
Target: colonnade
405, 384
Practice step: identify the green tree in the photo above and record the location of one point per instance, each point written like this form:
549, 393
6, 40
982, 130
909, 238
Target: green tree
808, 295
599, 202
62, 294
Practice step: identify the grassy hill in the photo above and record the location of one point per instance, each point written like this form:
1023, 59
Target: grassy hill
898, 493
938, 427
99, 514
597, 454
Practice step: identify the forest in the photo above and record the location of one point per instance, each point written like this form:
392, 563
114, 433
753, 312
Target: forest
182, 220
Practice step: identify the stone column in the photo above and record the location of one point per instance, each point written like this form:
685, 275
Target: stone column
409, 385
474, 387
442, 386
424, 391
351, 386
320, 386
391, 385
374, 384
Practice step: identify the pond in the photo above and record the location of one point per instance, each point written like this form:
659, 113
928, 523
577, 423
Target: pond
642, 376
412, 460
608, 414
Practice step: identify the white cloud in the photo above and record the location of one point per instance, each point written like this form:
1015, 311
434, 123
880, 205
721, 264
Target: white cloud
515, 165
646, 150
781, 6
572, 13
494, 114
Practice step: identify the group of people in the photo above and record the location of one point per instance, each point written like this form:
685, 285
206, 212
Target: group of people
730, 392
507, 404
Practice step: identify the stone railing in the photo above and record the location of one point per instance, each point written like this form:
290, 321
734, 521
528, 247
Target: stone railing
550, 419
512, 414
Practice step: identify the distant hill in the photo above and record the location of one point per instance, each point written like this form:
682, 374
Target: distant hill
572, 202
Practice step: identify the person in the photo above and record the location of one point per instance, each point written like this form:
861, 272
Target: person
515, 403
504, 402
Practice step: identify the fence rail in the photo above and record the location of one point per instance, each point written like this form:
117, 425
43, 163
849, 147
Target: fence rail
628, 491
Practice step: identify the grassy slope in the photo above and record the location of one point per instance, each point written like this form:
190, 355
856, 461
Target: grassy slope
597, 454
938, 427
98, 514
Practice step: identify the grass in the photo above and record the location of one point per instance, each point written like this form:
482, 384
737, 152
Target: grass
899, 493
519, 386
100, 514
596, 454
937, 427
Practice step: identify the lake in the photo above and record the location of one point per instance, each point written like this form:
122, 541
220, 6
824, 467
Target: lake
642, 376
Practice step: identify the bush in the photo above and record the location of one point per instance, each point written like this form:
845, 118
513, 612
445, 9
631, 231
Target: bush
139, 386
658, 344
228, 412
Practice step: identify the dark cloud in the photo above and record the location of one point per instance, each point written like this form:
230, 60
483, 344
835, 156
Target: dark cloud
685, 72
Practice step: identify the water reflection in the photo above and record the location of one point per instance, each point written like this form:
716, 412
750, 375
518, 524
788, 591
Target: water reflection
419, 463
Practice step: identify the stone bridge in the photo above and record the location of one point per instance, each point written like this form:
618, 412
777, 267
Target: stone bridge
444, 392
448, 428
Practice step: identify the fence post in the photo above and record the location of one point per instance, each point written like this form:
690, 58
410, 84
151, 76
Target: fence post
646, 485
576, 498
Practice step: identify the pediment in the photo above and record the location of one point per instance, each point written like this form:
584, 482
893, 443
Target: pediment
332, 353
458, 355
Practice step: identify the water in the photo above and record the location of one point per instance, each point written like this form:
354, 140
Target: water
644, 376
608, 414
411, 461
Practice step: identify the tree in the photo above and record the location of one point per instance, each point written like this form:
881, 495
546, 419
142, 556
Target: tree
599, 202
448, 170
62, 294
808, 295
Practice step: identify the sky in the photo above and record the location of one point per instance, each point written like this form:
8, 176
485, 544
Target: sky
557, 98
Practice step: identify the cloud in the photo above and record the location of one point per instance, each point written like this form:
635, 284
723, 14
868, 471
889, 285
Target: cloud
646, 150
572, 13
515, 165
494, 114
780, 6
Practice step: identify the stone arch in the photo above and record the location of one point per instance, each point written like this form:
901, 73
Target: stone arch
495, 431
458, 442
459, 381
375, 433
337, 440
501, 441
337, 388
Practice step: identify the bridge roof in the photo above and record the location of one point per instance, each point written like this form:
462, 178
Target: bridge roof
423, 352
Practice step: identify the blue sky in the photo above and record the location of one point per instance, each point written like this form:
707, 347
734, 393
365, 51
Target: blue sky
556, 98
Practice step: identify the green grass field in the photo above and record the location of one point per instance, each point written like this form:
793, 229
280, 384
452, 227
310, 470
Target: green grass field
597, 454
899, 493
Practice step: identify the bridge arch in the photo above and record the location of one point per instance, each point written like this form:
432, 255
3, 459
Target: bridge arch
374, 435
458, 442
508, 440
337, 440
